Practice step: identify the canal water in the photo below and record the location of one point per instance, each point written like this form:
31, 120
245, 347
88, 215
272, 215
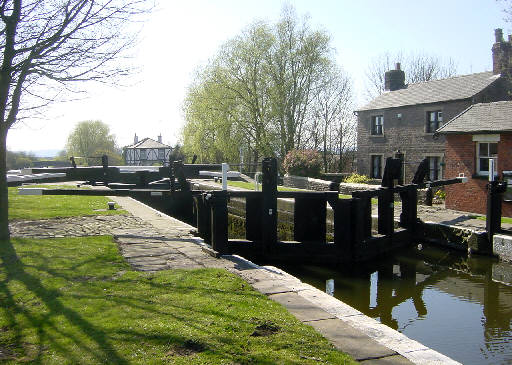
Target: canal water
458, 305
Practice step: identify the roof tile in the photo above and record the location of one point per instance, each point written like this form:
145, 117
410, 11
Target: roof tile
454, 88
481, 118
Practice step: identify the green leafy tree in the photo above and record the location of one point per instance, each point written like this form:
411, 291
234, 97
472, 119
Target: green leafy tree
47, 46
19, 160
92, 139
257, 93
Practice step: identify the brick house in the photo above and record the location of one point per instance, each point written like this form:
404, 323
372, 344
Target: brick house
147, 152
405, 117
481, 133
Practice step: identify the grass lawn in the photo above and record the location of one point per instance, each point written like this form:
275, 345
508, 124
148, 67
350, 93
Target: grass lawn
250, 186
503, 219
75, 300
53, 206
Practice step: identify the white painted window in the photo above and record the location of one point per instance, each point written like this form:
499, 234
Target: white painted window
161, 153
377, 127
143, 154
486, 151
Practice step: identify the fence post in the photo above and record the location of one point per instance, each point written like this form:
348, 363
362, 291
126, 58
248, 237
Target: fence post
495, 189
269, 214
203, 220
343, 227
225, 167
253, 209
428, 195
409, 215
219, 221
386, 211
179, 172
364, 213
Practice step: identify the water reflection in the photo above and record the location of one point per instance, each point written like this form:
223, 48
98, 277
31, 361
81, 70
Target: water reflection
457, 305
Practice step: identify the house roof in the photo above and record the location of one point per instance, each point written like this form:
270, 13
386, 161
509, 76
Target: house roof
481, 118
453, 88
148, 143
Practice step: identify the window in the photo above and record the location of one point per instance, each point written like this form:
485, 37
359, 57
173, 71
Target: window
143, 154
376, 167
161, 153
434, 168
377, 128
484, 153
434, 120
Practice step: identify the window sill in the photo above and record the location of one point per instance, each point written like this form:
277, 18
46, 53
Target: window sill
376, 135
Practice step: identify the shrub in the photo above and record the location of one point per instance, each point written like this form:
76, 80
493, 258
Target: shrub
303, 163
357, 179
440, 195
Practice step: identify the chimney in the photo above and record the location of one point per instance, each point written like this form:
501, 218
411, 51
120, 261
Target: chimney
501, 52
394, 79
160, 138
135, 139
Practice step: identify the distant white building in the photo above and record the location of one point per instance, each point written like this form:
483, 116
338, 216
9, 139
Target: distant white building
147, 152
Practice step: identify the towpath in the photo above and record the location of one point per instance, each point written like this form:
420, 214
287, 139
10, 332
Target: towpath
152, 241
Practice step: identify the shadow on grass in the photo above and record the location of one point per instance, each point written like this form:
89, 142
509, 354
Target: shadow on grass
15, 270
77, 301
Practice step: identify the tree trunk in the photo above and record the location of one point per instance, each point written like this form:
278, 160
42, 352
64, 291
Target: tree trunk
4, 212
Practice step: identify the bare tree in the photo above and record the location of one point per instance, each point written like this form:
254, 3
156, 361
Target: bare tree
333, 115
48, 45
417, 67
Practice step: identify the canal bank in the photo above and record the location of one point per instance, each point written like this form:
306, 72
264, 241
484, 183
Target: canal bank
351, 331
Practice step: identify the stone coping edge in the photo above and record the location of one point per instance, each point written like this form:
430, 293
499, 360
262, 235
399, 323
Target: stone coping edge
384, 335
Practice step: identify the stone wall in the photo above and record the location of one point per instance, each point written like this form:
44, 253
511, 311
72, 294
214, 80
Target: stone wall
308, 183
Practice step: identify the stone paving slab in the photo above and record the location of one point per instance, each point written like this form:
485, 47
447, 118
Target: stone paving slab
276, 286
388, 360
350, 340
301, 308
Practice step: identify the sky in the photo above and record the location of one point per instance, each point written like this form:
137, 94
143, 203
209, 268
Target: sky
182, 35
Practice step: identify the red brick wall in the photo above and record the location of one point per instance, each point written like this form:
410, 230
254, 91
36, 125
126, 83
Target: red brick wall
460, 157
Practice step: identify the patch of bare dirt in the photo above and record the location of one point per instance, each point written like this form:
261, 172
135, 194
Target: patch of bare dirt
265, 329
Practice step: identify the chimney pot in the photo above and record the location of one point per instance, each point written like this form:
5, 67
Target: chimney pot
498, 34
135, 139
160, 138
501, 52
394, 79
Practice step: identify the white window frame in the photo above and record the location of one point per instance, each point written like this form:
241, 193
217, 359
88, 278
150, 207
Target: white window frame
485, 139
143, 154
161, 153
379, 121
488, 156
